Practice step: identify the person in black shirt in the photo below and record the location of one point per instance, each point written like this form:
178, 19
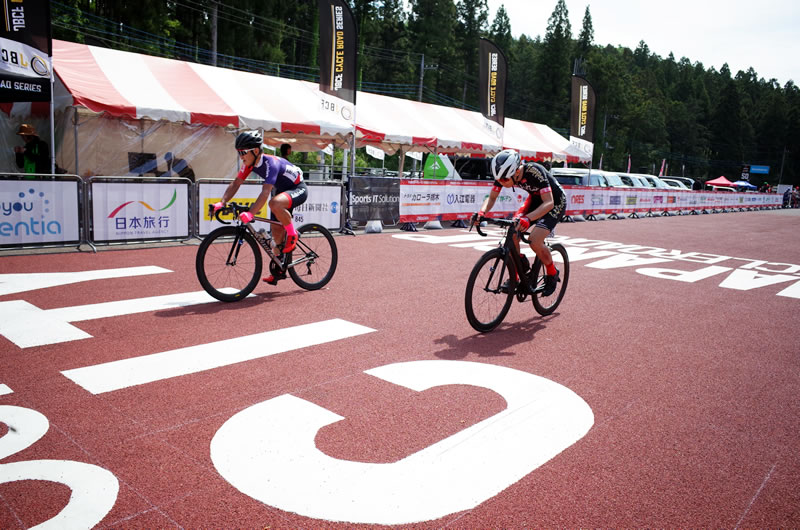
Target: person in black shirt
544, 206
35, 156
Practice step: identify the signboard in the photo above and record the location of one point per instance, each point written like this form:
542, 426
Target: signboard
746, 173
759, 170
123, 211
38, 212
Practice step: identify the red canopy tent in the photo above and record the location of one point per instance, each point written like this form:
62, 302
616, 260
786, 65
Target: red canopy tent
719, 181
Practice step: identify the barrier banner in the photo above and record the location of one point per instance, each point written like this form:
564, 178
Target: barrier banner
323, 206
124, 211
375, 198
446, 200
210, 193
39, 212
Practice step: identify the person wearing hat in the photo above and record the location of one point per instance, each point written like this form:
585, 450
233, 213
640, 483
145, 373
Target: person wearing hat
35, 156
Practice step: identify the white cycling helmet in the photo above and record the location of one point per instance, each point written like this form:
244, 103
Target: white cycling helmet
505, 164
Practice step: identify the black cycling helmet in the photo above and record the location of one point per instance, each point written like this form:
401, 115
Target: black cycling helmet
249, 140
505, 164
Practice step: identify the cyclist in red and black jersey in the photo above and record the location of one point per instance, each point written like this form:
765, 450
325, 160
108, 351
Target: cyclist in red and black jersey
545, 205
280, 176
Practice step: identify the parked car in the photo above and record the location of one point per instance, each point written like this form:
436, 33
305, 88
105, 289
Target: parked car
633, 181
674, 183
689, 183
653, 180
573, 176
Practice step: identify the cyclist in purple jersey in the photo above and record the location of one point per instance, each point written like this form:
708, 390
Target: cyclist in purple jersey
281, 178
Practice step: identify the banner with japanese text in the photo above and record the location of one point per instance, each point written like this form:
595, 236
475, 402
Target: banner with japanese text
124, 211
427, 200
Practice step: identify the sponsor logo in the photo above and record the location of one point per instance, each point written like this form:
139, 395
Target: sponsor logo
30, 210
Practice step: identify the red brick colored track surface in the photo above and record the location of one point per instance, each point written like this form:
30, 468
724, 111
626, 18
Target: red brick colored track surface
662, 392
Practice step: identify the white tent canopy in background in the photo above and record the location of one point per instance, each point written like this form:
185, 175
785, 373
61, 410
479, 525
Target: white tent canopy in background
192, 111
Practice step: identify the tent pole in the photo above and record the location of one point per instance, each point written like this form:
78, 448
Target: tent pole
75, 138
52, 126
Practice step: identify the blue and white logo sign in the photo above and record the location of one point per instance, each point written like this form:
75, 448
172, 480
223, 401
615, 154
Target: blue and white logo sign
38, 212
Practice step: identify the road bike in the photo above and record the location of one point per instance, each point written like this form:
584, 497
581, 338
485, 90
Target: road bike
229, 259
494, 282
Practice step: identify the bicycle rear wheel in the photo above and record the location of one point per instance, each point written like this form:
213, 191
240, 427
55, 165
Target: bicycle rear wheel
545, 305
229, 263
485, 302
317, 257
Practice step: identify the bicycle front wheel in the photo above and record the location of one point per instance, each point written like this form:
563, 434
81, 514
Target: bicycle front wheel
317, 257
545, 305
229, 263
487, 299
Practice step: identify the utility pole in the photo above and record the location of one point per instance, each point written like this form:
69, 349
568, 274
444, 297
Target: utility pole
422, 69
783, 159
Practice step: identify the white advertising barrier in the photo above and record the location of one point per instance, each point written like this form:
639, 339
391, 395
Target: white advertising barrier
134, 209
323, 205
583, 200
428, 200
39, 212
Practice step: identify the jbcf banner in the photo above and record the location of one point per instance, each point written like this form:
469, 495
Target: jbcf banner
426, 200
139, 210
323, 206
38, 212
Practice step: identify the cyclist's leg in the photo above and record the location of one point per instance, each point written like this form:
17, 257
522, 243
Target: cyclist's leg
282, 205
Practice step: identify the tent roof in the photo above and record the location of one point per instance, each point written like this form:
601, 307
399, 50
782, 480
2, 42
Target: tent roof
534, 140
132, 85
719, 181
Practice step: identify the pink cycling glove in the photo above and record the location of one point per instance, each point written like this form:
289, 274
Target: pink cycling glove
246, 217
524, 223
218, 206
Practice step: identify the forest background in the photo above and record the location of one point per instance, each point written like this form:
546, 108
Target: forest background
704, 123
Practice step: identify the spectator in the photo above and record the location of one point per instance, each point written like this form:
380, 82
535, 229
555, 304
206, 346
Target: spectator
35, 156
286, 150
787, 198
177, 167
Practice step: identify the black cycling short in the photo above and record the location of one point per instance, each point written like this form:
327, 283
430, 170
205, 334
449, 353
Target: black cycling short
298, 196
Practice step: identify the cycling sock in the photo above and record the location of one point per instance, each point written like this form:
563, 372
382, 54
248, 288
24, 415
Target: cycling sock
291, 238
551, 269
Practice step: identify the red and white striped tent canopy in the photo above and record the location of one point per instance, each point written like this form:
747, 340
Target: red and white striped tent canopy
392, 123
540, 142
124, 84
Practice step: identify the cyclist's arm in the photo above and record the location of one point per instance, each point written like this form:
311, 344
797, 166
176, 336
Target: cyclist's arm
266, 189
488, 204
541, 210
231, 190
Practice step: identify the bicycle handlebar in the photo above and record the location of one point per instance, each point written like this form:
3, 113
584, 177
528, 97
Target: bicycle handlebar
506, 223
231, 207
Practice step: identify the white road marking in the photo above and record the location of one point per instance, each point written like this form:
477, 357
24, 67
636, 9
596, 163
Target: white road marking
268, 450
5, 389
125, 373
21, 282
27, 325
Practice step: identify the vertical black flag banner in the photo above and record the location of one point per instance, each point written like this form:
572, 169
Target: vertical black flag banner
338, 39
492, 91
26, 49
582, 119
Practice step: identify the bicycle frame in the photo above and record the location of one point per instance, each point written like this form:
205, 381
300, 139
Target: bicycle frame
508, 245
283, 262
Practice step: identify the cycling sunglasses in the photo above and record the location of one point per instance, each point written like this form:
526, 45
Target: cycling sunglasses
243, 152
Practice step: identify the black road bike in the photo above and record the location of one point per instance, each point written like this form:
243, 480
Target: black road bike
229, 259
494, 282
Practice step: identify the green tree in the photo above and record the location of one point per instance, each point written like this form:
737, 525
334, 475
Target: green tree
586, 37
500, 30
554, 68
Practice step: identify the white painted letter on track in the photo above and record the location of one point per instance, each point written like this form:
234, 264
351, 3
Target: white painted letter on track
268, 452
